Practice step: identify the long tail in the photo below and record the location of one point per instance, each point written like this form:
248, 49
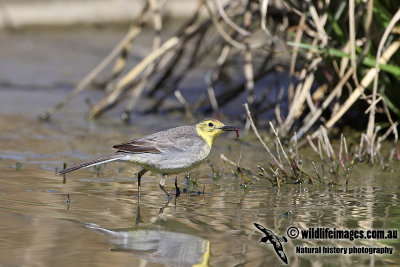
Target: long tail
98, 161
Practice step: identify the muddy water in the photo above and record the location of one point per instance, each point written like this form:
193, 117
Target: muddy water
93, 217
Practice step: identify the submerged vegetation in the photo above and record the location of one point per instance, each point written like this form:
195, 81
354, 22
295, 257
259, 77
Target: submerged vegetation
342, 61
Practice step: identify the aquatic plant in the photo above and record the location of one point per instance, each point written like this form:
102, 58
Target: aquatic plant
335, 167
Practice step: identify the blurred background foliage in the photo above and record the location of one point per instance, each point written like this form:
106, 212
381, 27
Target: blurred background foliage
309, 63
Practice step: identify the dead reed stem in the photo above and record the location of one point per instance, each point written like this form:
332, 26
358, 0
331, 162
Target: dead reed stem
129, 37
132, 74
371, 121
274, 160
364, 83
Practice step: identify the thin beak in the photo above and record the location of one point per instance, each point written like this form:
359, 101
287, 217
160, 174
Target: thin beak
230, 128
227, 128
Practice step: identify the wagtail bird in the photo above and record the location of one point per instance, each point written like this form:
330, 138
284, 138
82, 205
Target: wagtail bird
172, 151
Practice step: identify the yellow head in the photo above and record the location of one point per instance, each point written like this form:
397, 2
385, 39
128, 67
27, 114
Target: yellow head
209, 129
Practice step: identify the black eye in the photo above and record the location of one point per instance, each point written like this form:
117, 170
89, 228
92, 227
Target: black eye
211, 124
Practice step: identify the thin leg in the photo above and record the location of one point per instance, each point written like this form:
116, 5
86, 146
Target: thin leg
139, 175
177, 190
162, 183
161, 212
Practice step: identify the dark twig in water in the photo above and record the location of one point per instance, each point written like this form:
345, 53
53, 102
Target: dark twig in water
316, 171
177, 190
239, 172
275, 175
263, 173
68, 201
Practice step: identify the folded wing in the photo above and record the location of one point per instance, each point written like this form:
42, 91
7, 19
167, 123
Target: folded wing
179, 139
139, 146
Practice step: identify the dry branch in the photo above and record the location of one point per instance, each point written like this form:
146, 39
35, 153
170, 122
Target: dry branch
253, 126
129, 37
132, 74
364, 84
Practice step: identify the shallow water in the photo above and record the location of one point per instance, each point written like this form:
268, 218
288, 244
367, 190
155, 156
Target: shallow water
93, 217
103, 224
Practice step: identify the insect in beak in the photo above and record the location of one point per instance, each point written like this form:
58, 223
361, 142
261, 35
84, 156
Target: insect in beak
229, 128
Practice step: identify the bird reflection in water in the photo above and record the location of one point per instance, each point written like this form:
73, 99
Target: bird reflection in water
160, 243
